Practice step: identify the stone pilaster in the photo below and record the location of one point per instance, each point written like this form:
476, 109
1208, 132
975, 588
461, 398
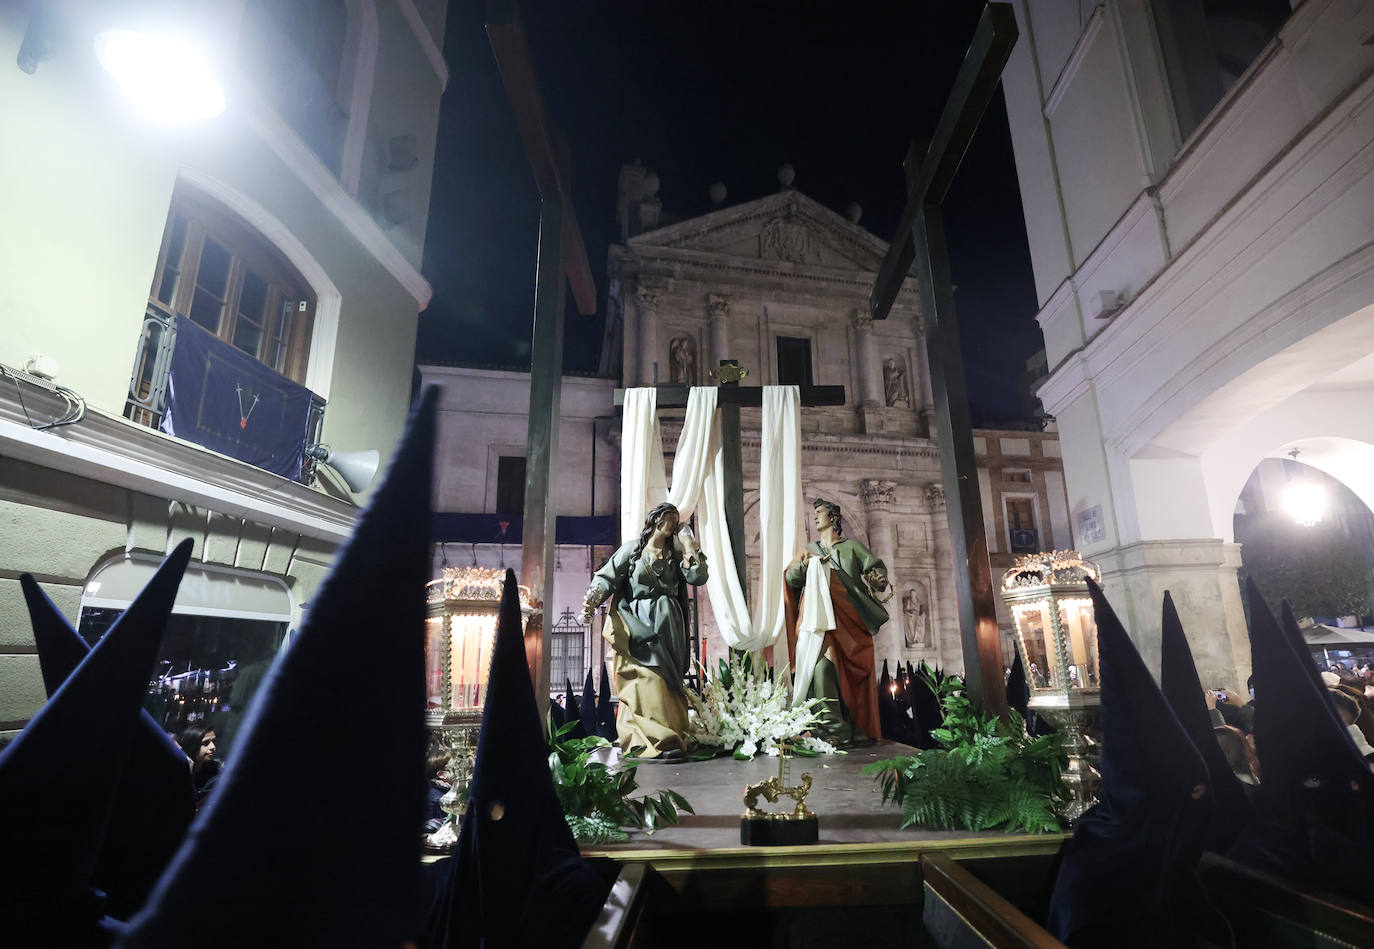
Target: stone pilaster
866, 365
878, 497
923, 386
718, 307
646, 308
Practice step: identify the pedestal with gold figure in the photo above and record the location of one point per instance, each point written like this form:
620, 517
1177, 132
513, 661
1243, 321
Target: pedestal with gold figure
646, 582
834, 607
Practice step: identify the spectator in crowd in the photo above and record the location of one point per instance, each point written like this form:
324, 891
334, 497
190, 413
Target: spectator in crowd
1240, 756
1234, 710
1349, 711
198, 742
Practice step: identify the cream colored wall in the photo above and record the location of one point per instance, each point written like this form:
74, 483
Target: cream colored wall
86, 183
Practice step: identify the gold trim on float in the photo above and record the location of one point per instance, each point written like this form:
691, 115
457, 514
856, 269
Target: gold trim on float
832, 855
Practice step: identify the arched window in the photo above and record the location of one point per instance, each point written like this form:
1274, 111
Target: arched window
228, 279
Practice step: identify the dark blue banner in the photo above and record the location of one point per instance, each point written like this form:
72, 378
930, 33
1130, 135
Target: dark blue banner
229, 402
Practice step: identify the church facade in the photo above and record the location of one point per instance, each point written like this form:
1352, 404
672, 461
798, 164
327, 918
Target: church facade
781, 285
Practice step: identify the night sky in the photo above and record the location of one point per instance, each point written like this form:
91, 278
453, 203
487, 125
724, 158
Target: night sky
707, 91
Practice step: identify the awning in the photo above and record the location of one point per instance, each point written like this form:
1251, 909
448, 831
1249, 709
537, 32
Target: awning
1328, 636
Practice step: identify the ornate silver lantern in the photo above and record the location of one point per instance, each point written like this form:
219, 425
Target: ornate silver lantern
464, 606
1056, 632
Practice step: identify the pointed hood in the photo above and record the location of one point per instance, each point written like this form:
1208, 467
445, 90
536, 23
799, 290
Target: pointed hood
154, 803
312, 836
59, 778
1316, 798
517, 879
1018, 692
573, 714
605, 715
1136, 851
587, 711
926, 709
1179, 682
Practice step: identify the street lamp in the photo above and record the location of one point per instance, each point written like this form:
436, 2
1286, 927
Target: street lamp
1056, 632
1303, 498
165, 77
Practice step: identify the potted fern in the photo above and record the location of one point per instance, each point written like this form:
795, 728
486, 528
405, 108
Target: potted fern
986, 774
596, 799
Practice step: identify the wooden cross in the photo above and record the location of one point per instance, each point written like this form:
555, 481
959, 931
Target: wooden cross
562, 256
731, 398
920, 239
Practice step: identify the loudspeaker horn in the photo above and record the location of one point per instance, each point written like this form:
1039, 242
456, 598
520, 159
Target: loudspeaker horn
356, 468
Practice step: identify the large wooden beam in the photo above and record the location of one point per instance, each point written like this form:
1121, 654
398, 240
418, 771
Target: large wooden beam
507, 37
920, 240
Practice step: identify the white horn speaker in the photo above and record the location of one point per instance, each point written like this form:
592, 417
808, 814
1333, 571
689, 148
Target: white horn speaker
356, 468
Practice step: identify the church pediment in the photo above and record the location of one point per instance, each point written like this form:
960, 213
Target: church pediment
787, 226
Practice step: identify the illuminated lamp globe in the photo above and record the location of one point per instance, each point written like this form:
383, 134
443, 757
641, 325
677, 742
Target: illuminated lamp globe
1305, 502
167, 79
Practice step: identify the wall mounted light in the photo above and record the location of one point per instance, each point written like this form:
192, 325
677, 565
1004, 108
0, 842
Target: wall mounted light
165, 77
1304, 498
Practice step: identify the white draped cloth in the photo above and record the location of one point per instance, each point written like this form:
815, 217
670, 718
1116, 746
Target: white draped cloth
698, 486
817, 618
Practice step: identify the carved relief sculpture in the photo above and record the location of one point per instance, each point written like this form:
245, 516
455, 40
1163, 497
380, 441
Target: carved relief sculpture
785, 239
682, 360
894, 383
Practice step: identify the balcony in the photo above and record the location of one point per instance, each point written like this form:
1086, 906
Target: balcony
147, 399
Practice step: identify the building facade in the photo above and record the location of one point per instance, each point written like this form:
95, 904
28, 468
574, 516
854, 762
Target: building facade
284, 235
780, 284
1196, 180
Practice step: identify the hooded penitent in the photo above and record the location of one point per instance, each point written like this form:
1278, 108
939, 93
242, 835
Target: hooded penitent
1315, 808
59, 779
1018, 692
312, 837
605, 714
1182, 689
154, 803
517, 880
1131, 864
573, 715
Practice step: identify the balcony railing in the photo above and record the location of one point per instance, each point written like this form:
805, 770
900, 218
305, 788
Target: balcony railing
147, 399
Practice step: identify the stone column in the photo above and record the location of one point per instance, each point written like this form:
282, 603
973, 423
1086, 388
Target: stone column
646, 307
718, 306
877, 500
870, 388
927, 394
629, 329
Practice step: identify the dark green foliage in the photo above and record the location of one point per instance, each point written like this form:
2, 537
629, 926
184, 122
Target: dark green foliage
1319, 570
596, 802
985, 775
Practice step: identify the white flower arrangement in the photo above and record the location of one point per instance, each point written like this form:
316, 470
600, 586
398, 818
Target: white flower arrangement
749, 712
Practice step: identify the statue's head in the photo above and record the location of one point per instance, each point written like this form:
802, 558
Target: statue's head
827, 515
664, 517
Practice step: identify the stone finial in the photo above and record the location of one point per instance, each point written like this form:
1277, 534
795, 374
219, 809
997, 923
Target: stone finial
786, 175
853, 211
717, 193
877, 495
651, 184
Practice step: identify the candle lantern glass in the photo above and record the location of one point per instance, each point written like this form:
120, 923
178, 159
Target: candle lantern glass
464, 606
1056, 633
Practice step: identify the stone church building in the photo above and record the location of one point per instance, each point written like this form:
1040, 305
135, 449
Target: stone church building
781, 284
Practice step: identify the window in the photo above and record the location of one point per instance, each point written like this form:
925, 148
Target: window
510, 484
1021, 525
227, 278
794, 361
1016, 475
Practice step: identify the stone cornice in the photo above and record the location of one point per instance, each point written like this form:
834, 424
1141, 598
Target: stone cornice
112, 450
